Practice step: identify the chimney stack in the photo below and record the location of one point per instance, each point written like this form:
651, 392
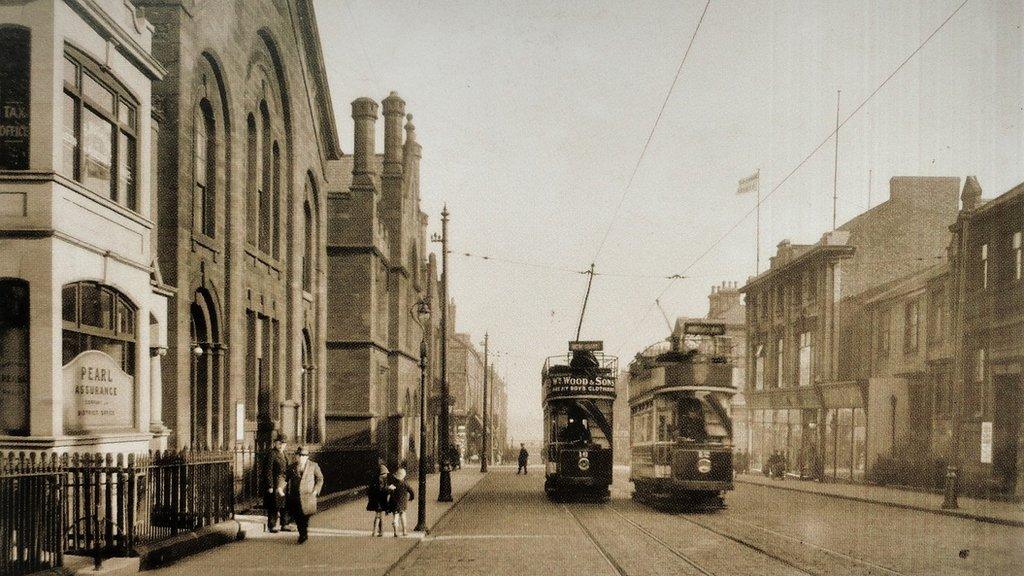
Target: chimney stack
971, 196
394, 112
364, 116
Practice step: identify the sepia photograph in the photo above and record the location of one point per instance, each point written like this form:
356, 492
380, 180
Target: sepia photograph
512, 287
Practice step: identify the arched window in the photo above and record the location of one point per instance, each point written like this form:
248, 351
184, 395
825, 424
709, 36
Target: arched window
251, 183
14, 358
100, 122
309, 240
265, 182
275, 204
205, 169
98, 317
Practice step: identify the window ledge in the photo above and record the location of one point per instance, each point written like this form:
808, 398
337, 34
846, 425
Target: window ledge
35, 176
207, 242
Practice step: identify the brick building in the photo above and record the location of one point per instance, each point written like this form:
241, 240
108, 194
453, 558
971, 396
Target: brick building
466, 386
248, 137
377, 272
808, 336
83, 307
987, 302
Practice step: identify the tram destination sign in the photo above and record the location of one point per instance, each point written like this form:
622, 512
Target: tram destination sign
586, 346
704, 329
573, 385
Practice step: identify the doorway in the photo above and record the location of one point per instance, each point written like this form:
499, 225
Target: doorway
1006, 417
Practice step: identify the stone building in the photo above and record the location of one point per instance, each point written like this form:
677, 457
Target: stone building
808, 336
466, 387
246, 145
83, 307
987, 302
377, 272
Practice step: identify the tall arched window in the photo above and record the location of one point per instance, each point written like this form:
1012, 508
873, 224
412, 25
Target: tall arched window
265, 182
14, 358
205, 169
275, 204
251, 183
309, 240
98, 317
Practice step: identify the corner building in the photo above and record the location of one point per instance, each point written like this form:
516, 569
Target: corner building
246, 143
82, 305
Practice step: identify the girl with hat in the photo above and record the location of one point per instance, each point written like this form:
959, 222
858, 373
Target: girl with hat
398, 500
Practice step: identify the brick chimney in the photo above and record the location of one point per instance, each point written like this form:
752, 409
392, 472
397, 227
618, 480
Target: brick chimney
723, 298
394, 113
364, 116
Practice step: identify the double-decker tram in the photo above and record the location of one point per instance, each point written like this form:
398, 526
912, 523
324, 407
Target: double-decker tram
578, 391
681, 432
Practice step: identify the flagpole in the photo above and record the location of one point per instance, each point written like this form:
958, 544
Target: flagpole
757, 226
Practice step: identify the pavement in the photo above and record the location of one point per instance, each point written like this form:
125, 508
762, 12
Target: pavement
997, 512
339, 541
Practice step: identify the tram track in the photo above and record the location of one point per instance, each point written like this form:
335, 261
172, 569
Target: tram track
870, 567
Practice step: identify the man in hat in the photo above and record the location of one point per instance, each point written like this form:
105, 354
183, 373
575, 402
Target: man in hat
274, 478
305, 481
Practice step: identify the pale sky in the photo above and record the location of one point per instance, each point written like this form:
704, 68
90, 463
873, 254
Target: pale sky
532, 116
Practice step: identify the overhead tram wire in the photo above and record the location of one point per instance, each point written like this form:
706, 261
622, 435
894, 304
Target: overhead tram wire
650, 136
553, 268
799, 165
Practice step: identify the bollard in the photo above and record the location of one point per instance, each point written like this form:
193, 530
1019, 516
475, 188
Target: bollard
949, 493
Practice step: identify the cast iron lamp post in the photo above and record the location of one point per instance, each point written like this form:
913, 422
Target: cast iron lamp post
421, 314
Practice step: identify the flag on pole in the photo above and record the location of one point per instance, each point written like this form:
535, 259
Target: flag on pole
749, 184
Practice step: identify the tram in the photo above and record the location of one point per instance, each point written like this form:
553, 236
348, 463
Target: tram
578, 392
680, 427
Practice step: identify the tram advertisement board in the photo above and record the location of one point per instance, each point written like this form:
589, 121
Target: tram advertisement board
574, 385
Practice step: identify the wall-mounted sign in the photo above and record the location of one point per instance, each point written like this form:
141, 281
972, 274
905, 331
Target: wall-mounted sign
14, 405
586, 346
98, 395
986, 442
14, 98
240, 421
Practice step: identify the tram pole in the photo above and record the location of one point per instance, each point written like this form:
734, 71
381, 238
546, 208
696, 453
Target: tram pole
484, 438
444, 490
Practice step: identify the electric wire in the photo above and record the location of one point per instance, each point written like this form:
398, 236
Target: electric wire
799, 165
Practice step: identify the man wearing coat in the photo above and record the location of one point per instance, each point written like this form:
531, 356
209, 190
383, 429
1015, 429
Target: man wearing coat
274, 482
305, 481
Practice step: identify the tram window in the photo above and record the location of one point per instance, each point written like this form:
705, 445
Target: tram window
691, 420
573, 424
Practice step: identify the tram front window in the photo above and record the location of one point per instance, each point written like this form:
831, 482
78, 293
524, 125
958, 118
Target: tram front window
580, 425
693, 419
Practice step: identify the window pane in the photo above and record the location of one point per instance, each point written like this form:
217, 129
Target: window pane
70, 162
126, 171
69, 299
70, 72
126, 114
98, 151
98, 93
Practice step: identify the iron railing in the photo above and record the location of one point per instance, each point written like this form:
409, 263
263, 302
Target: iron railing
31, 525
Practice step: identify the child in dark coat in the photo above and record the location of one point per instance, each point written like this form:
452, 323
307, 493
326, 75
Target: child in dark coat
399, 495
377, 500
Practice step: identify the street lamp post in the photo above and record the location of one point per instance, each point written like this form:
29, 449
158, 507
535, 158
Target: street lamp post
484, 439
421, 313
444, 491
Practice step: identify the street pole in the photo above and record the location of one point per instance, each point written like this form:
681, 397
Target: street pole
484, 447
444, 491
421, 507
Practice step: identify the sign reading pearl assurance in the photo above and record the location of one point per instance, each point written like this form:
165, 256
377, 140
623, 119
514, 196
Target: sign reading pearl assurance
98, 395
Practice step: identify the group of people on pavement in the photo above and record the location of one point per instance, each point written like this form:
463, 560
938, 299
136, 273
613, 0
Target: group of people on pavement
292, 489
389, 494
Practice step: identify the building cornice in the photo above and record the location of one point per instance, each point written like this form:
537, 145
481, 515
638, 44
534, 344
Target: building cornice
112, 32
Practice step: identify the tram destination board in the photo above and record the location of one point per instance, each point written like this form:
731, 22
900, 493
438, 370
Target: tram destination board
704, 329
586, 346
563, 386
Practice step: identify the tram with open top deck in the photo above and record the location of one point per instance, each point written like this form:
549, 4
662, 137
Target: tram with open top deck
578, 392
681, 431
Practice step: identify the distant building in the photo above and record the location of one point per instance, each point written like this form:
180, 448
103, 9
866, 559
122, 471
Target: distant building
987, 300
808, 335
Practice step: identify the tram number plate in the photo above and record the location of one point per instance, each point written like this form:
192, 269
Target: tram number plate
704, 454
584, 454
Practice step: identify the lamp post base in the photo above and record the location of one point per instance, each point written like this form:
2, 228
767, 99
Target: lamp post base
444, 491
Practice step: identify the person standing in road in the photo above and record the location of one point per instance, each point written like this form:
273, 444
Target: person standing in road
400, 493
274, 478
377, 499
305, 481
524, 458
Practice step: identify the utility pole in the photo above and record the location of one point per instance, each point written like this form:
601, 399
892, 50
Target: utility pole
444, 490
484, 439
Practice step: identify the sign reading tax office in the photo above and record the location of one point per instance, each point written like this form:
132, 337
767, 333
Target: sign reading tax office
98, 395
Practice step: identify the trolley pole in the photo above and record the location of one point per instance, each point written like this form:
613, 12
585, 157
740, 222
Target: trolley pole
444, 490
485, 437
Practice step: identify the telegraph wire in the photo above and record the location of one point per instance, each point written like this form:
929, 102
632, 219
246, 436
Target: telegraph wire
650, 136
570, 270
799, 165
